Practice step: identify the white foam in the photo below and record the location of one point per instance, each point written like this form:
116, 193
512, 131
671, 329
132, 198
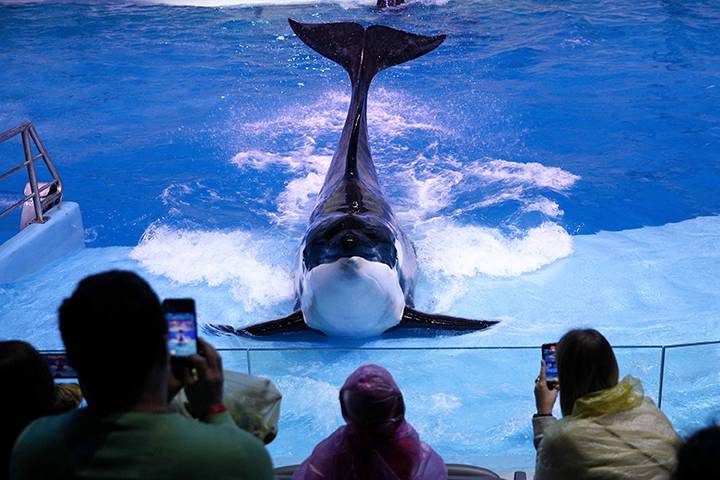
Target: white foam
296, 202
398, 115
394, 113
230, 258
322, 406
544, 206
531, 174
421, 190
453, 250
433, 182
443, 402
173, 193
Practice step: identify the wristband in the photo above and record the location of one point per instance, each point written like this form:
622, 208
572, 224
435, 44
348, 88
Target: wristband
542, 415
215, 409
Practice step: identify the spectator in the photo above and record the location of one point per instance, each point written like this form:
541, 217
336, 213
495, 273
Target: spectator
28, 394
377, 443
115, 337
609, 429
699, 457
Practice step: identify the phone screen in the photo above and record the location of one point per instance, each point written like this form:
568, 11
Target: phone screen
551, 370
59, 366
182, 326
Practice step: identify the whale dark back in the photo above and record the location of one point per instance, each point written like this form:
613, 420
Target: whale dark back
362, 53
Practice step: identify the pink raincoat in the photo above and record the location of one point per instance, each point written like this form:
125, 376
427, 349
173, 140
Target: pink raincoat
377, 443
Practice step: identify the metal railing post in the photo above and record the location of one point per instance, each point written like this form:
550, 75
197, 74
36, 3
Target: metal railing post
662, 377
37, 203
247, 355
46, 157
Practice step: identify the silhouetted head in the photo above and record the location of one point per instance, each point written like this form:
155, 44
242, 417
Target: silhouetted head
371, 401
349, 236
115, 335
586, 364
28, 393
699, 456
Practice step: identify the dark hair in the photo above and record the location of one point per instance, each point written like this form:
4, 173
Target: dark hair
698, 456
586, 364
28, 393
112, 366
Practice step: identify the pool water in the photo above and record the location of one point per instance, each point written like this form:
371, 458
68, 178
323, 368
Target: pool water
556, 164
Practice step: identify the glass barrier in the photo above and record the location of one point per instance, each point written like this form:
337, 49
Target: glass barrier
644, 363
691, 387
473, 405
235, 360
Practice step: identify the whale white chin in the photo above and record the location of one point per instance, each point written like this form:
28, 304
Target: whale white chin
352, 297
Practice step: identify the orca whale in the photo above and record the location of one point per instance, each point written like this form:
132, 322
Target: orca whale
356, 267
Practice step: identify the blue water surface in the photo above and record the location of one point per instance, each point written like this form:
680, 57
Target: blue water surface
131, 99
556, 164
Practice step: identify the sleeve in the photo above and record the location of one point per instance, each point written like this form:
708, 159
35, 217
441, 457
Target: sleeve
558, 457
540, 426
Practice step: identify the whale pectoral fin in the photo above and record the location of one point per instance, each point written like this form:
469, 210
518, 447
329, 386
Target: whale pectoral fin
292, 323
414, 319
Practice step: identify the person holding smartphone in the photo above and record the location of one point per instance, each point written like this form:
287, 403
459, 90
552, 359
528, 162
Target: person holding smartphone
609, 429
127, 431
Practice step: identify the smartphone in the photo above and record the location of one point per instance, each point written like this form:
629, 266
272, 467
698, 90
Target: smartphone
182, 326
549, 351
59, 366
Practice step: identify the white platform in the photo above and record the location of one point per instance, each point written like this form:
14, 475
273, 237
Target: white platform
40, 244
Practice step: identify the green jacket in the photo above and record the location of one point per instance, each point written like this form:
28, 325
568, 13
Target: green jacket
148, 446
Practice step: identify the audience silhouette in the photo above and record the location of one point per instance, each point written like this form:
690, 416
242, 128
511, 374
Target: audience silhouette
609, 429
376, 442
126, 431
30, 394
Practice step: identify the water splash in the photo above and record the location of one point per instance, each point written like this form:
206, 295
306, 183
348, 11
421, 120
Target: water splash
426, 190
236, 259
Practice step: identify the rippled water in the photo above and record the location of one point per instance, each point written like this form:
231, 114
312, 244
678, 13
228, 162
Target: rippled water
556, 164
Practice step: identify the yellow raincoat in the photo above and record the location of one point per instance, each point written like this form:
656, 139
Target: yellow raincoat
612, 434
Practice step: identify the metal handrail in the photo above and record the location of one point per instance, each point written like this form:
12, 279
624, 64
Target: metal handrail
41, 204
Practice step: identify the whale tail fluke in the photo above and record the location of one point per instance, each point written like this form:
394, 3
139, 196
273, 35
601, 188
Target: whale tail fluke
364, 52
